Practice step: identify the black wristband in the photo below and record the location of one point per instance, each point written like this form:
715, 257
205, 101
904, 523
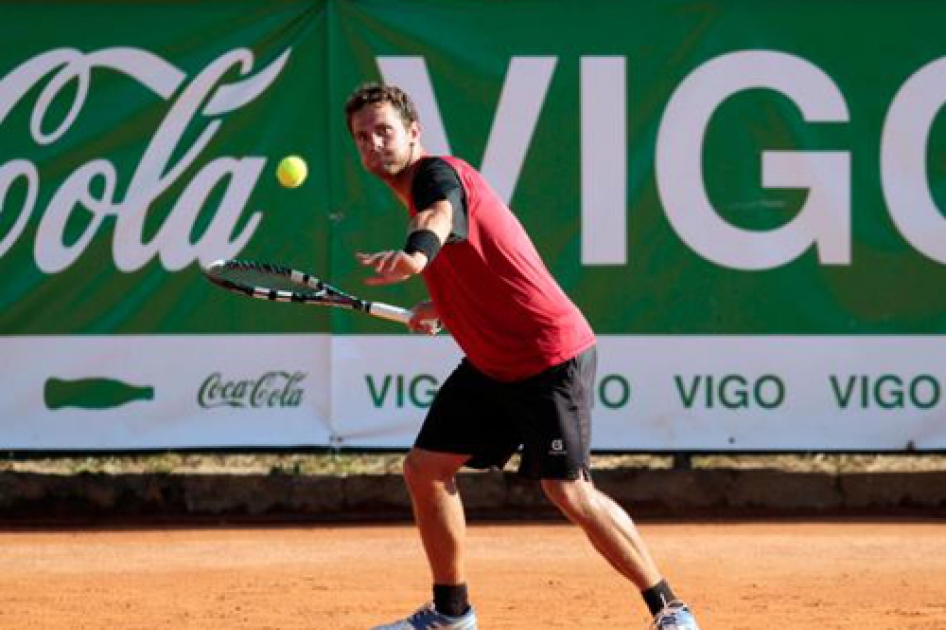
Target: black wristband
424, 241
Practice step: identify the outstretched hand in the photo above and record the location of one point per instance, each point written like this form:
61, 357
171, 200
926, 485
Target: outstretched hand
392, 266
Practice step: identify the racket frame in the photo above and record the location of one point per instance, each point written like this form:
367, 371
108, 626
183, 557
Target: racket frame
312, 290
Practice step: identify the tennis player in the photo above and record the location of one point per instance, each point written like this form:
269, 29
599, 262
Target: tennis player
527, 377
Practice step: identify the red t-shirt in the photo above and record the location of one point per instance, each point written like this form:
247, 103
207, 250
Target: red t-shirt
496, 296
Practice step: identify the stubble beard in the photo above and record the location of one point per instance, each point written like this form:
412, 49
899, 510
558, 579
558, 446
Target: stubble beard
392, 170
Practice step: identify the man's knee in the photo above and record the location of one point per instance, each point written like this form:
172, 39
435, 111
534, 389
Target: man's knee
426, 467
578, 500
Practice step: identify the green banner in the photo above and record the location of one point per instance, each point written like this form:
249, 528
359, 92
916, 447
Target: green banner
133, 154
685, 168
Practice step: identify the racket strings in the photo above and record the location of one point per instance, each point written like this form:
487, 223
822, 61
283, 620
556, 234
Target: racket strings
263, 280
280, 283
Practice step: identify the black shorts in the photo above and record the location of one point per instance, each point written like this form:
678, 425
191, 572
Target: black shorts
548, 415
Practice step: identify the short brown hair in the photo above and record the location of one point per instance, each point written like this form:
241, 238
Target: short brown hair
373, 93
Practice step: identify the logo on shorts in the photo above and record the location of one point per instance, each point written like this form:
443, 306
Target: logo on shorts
558, 447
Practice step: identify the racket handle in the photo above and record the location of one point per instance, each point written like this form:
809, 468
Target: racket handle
393, 313
402, 315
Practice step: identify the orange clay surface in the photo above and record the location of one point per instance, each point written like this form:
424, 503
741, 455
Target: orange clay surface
752, 576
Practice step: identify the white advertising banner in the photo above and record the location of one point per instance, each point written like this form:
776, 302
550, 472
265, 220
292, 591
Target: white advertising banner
654, 393
138, 392
771, 393
712, 393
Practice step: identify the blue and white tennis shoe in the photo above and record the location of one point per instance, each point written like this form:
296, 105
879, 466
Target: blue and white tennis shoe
427, 618
675, 616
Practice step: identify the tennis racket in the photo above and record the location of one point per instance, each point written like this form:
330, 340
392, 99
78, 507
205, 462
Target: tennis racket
266, 281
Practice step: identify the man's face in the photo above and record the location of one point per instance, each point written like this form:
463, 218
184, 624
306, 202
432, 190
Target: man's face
385, 145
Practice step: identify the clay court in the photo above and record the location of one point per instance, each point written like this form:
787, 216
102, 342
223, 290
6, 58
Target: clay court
758, 576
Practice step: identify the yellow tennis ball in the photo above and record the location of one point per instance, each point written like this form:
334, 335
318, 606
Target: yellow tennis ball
292, 171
